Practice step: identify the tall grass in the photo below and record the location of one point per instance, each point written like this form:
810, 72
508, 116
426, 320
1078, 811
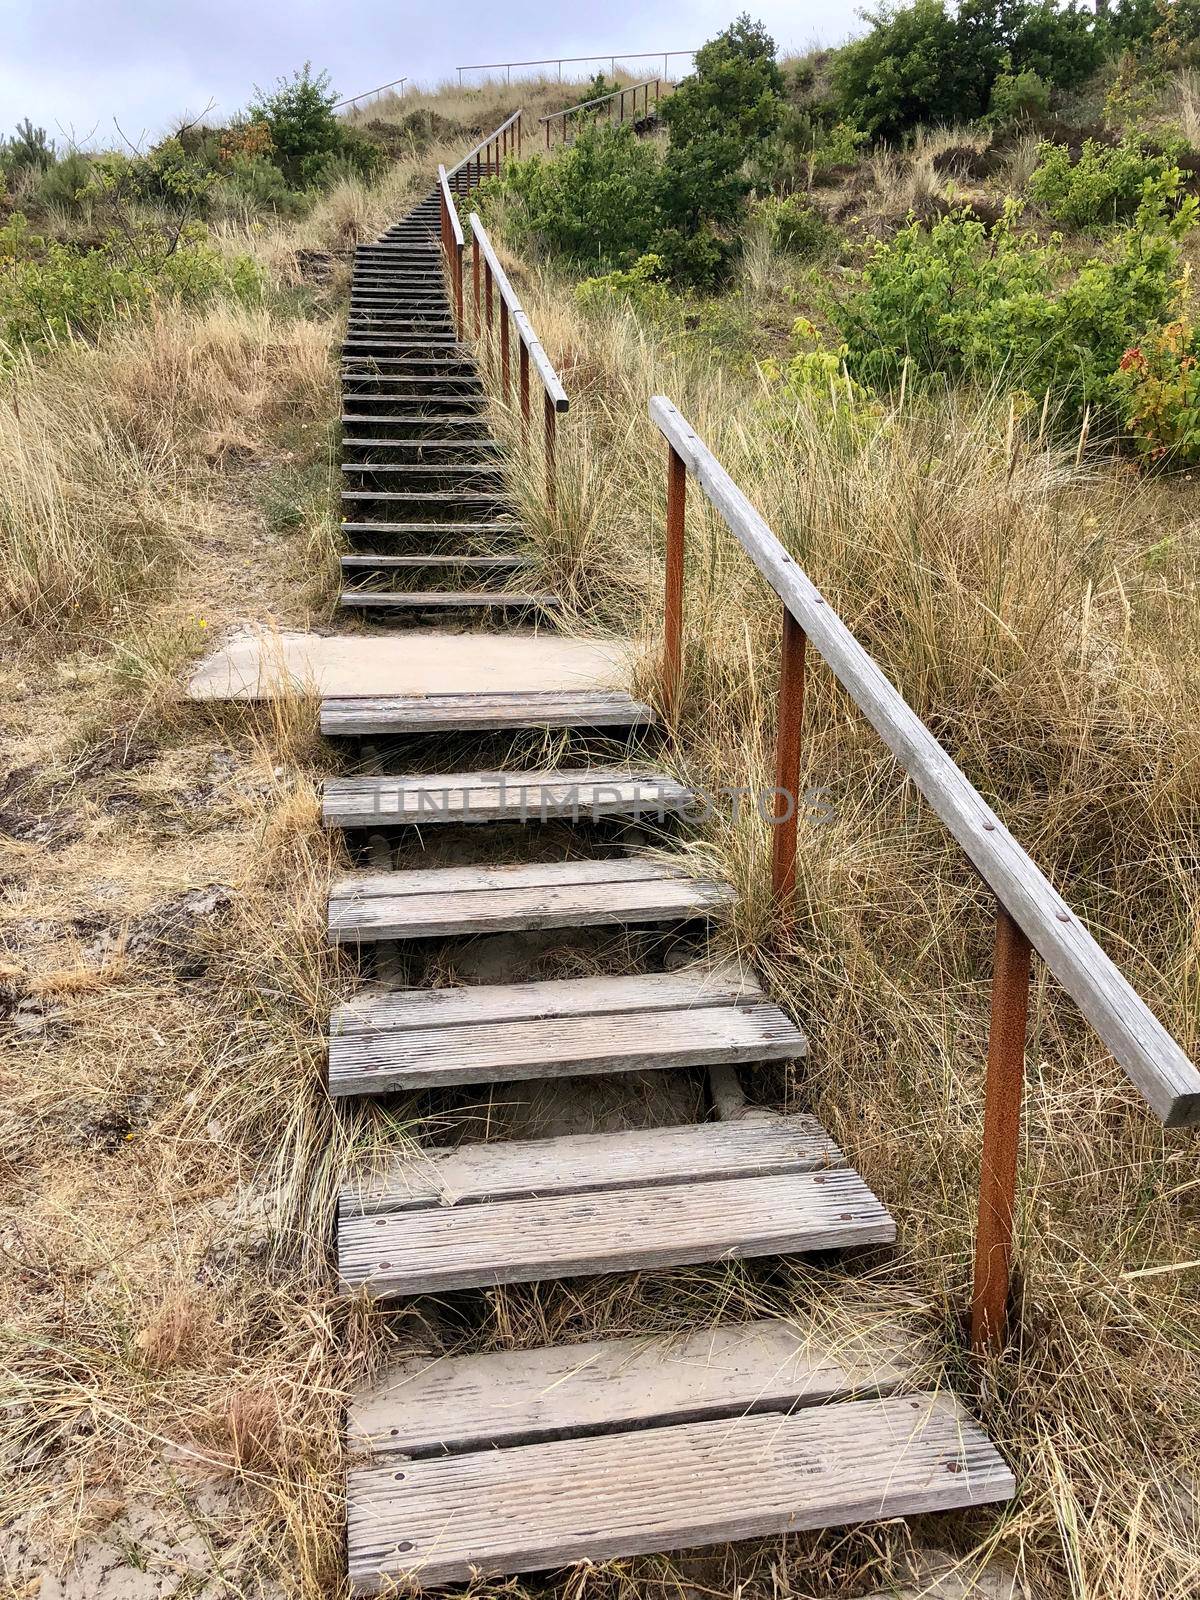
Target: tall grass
1037, 605
106, 449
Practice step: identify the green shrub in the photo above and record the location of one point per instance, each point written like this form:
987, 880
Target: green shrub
596, 204
1158, 386
1103, 186
795, 226
67, 292
254, 184
1018, 97
924, 63
643, 286
66, 186
735, 91
956, 302
28, 147
305, 133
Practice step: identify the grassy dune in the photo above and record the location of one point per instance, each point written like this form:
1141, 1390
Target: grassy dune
175, 1355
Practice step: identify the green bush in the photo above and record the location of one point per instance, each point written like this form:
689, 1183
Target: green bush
28, 147
1158, 384
643, 286
307, 142
795, 226
924, 63
958, 303
1103, 186
254, 184
64, 292
596, 204
1018, 97
66, 186
735, 91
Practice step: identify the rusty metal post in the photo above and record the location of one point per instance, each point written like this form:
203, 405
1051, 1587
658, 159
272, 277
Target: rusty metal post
458, 289
1001, 1134
504, 350
673, 581
524, 379
487, 284
551, 422
786, 799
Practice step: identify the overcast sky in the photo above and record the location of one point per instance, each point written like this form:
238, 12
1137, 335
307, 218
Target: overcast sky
72, 65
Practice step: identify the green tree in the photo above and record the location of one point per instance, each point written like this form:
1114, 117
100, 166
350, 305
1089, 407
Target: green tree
304, 131
736, 90
28, 147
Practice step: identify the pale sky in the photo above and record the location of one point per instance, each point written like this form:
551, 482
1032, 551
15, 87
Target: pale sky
72, 65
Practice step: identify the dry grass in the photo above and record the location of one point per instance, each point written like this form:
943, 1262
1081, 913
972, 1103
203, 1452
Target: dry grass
1040, 611
175, 1354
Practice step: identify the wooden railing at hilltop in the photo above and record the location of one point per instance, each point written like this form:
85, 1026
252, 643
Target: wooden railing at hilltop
497, 309
1030, 914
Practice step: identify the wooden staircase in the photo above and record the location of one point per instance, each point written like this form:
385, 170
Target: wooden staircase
510, 1461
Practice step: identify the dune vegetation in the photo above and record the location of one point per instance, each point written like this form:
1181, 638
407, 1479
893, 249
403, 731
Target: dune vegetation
940, 330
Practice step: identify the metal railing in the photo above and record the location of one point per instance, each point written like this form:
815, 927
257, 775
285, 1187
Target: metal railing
490, 154
615, 103
1030, 914
571, 61
496, 303
367, 93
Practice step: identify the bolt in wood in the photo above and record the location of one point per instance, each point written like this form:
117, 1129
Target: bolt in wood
1001, 1133
786, 799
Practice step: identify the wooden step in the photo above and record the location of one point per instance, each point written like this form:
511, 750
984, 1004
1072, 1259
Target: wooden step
481, 713
495, 1512
498, 528
434, 1249
368, 560
587, 794
446, 902
445, 600
584, 1026
449, 1405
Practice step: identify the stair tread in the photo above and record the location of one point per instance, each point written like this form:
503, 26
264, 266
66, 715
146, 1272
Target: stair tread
432, 1406
495, 796
445, 599
563, 1235
543, 1505
449, 901
443, 713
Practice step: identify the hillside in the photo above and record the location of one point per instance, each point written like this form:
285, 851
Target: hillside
940, 331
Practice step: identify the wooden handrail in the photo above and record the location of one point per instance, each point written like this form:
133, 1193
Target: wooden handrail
498, 138
496, 302
452, 244
606, 99
1030, 911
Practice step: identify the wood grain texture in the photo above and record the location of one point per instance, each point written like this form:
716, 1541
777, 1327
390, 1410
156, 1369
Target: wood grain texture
543, 1505
392, 909
616, 1230
480, 713
586, 794
590, 1162
1137, 1039
550, 997
558, 1047
444, 600
430, 1406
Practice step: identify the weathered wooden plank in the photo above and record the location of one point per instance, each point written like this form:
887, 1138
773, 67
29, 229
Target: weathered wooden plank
424, 1406
508, 875
446, 1519
616, 1230
476, 713
378, 1062
1153, 1060
634, 1158
445, 600
550, 997
446, 915
500, 796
